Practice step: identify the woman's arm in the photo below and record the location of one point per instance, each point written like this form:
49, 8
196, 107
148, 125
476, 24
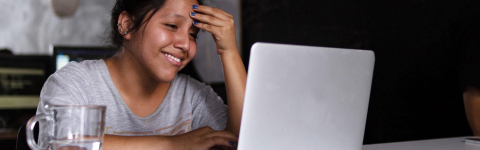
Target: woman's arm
222, 27
471, 99
114, 142
199, 139
235, 81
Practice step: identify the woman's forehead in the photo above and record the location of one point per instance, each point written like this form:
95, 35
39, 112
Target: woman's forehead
180, 4
177, 8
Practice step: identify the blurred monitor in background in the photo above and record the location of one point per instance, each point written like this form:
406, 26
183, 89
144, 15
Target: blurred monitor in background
62, 55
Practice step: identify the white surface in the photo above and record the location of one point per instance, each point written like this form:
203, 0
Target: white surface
30, 26
303, 97
456, 143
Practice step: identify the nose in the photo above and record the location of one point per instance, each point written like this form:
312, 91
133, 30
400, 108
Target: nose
182, 42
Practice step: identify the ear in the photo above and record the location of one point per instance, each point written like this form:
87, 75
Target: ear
125, 23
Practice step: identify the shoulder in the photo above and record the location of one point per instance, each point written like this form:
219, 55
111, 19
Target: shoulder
78, 71
81, 67
208, 108
75, 81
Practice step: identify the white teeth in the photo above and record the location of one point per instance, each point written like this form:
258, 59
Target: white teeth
172, 57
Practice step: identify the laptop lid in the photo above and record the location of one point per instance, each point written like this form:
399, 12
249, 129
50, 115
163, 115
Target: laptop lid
305, 97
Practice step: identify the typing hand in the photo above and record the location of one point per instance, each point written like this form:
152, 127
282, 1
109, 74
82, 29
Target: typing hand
223, 148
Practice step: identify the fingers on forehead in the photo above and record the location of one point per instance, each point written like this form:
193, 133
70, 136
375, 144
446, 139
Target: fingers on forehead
216, 12
208, 19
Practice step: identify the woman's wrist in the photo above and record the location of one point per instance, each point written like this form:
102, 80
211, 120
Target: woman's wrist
229, 53
158, 142
114, 142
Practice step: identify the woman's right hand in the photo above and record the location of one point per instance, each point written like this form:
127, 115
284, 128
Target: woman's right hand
203, 139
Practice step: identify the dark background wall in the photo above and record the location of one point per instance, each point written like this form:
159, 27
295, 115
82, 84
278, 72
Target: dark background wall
417, 84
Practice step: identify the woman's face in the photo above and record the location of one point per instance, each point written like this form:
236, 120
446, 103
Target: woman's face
168, 41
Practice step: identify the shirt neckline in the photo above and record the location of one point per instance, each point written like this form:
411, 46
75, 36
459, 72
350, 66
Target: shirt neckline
106, 74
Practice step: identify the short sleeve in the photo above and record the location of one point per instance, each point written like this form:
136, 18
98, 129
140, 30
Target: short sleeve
209, 110
68, 86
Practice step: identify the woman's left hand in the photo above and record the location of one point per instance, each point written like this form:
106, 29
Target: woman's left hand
219, 23
222, 27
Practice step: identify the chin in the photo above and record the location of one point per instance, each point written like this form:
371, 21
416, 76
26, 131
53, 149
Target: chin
166, 77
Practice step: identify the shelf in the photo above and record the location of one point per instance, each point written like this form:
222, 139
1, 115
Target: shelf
8, 134
19, 102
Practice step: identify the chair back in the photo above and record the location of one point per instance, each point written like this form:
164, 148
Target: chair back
22, 137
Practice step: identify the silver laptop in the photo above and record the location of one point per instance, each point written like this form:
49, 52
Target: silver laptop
304, 97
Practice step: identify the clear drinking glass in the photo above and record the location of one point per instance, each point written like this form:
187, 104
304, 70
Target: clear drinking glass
70, 127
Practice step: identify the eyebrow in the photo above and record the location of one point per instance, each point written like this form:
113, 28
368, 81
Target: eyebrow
175, 15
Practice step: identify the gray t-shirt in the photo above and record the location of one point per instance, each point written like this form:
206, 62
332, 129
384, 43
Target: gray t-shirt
187, 106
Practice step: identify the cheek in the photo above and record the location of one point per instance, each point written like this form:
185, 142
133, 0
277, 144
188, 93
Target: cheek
150, 40
159, 37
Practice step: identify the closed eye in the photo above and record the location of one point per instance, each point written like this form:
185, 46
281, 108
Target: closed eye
172, 26
193, 35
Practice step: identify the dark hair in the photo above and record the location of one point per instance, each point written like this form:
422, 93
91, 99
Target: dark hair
138, 9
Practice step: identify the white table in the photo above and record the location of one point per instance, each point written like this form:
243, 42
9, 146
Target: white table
456, 143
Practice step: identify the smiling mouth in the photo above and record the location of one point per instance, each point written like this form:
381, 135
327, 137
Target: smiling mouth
172, 57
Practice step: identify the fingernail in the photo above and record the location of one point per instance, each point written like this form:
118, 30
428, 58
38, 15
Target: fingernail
192, 13
195, 23
233, 143
194, 6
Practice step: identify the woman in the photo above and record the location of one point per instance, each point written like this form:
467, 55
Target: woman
149, 105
